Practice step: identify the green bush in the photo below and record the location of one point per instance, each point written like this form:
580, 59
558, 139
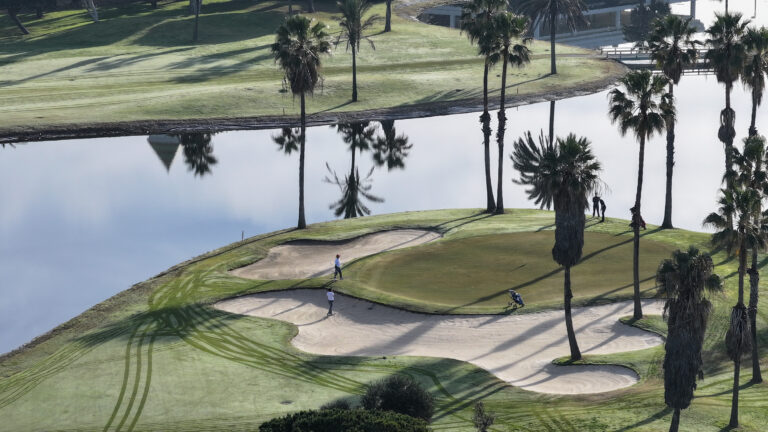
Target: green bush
337, 420
400, 394
341, 404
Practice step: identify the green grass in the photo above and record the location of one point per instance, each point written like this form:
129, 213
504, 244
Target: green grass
139, 64
473, 274
158, 357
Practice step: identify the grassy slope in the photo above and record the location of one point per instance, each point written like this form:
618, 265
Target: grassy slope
138, 64
157, 358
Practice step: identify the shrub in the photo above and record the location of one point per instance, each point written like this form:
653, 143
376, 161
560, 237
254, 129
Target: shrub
400, 394
341, 404
337, 420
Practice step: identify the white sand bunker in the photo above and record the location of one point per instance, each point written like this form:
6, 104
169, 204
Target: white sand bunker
305, 259
518, 349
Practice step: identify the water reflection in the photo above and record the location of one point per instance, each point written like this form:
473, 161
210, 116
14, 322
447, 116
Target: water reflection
198, 152
391, 149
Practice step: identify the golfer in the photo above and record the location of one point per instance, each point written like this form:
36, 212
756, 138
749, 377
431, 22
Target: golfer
337, 268
330, 296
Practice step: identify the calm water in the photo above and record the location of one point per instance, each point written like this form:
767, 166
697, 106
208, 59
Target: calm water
82, 220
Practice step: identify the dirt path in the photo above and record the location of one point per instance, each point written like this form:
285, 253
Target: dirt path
518, 349
305, 259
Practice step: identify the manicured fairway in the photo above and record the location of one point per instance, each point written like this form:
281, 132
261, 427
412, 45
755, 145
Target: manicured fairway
159, 357
139, 64
478, 271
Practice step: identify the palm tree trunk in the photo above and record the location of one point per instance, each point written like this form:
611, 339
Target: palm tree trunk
197, 19
485, 119
12, 13
302, 222
729, 142
552, 121
670, 123
734, 422
742, 270
567, 296
354, 75
675, 421
754, 286
752, 128
500, 135
290, 7
311, 6
388, 21
638, 313
552, 30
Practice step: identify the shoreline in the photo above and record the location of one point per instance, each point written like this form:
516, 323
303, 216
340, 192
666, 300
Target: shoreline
223, 124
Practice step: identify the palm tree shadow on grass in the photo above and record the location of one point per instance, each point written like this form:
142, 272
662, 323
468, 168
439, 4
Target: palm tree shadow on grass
652, 418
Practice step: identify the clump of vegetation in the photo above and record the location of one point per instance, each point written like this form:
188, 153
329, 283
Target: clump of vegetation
400, 394
341, 420
483, 419
338, 404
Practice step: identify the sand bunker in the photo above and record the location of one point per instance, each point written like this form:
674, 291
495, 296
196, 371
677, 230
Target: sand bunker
305, 259
518, 348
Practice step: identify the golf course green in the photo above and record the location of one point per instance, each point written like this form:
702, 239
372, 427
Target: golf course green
476, 272
158, 356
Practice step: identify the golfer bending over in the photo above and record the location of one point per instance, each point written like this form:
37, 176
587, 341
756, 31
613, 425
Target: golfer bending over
337, 268
329, 294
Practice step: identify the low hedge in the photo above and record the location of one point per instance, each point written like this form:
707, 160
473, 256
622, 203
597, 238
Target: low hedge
340, 420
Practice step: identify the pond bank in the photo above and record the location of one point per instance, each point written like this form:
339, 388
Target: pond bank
222, 124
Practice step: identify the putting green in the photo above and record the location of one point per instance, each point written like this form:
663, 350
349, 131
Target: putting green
478, 271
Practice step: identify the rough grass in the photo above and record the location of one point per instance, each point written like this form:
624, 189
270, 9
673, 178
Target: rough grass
139, 64
158, 357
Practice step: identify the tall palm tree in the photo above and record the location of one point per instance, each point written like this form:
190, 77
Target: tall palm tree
551, 13
737, 232
352, 28
755, 68
508, 29
727, 55
683, 280
752, 175
560, 175
388, 18
673, 48
642, 107
198, 152
477, 21
391, 149
297, 49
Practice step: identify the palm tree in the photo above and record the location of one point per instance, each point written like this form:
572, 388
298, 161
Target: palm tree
563, 175
673, 49
683, 279
13, 7
477, 21
352, 28
755, 68
641, 107
727, 55
752, 175
198, 152
391, 149
551, 13
297, 49
508, 28
736, 231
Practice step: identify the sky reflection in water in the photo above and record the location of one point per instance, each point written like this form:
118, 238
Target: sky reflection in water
82, 220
